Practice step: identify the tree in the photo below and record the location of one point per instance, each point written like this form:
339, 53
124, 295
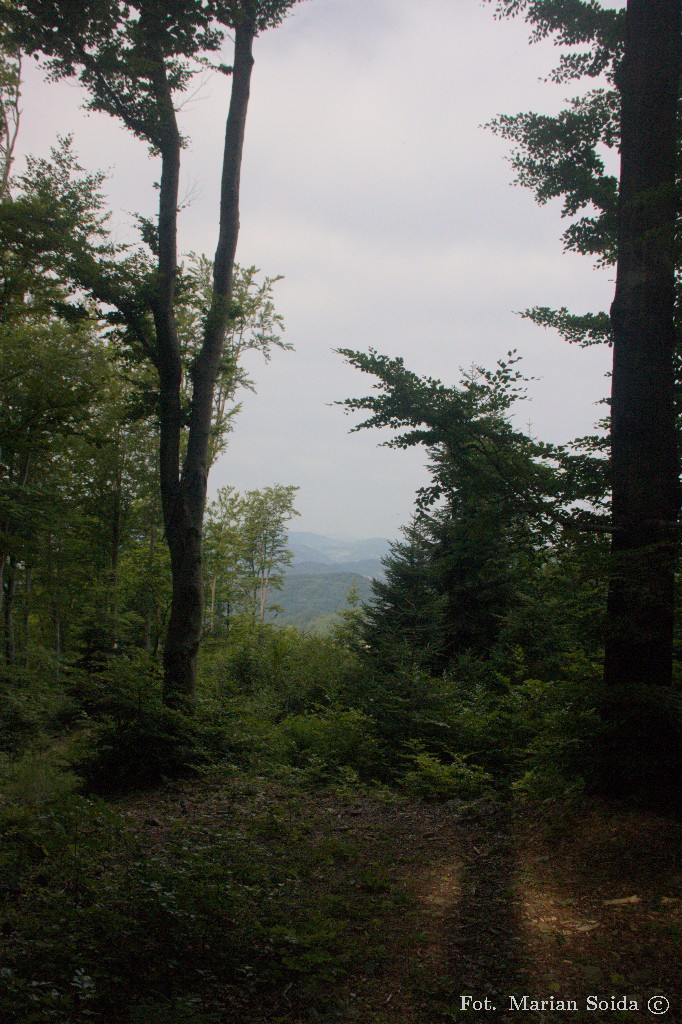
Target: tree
264, 554
51, 375
255, 326
639, 51
645, 470
10, 86
133, 59
501, 494
403, 626
224, 581
53, 363
245, 549
644, 452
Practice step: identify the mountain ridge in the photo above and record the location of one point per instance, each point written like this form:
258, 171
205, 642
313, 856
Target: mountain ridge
316, 553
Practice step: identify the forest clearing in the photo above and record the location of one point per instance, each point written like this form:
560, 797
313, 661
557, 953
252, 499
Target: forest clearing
445, 783
252, 899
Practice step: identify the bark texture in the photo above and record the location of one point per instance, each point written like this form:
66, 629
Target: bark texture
643, 433
184, 495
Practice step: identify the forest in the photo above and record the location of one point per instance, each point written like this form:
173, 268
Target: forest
456, 799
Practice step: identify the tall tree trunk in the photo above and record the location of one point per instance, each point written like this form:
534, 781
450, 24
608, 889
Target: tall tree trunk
211, 619
10, 593
116, 521
57, 622
7, 529
10, 115
150, 592
184, 499
27, 615
643, 436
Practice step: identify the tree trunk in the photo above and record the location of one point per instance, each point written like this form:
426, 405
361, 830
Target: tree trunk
643, 435
211, 620
57, 622
27, 615
150, 593
10, 593
184, 500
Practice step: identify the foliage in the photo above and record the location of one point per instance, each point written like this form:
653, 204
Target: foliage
431, 779
404, 623
113, 46
32, 706
480, 462
498, 503
323, 742
201, 917
561, 157
280, 698
255, 326
574, 24
134, 740
245, 550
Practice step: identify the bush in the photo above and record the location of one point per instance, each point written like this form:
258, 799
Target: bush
563, 727
31, 703
134, 740
431, 779
148, 747
304, 670
331, 740
100, 929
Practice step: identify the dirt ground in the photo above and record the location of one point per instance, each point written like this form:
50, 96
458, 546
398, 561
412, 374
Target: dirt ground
579, 910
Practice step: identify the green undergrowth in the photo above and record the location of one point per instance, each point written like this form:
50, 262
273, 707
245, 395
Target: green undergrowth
273, 699
234, 898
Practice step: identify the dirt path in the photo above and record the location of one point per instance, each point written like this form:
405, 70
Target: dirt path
432, 906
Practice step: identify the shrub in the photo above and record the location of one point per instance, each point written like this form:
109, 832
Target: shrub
134, 739
31, 703
331, 740
431, 779
563, 728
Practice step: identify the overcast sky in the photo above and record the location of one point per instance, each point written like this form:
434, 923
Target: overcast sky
369, 183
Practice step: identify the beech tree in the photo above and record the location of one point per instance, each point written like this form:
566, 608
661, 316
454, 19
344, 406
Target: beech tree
134, 59
10, 86
632, 223
245, 543
224, 583
264, 556
645, 471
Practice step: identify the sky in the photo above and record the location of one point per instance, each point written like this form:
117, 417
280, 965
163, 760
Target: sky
371, 185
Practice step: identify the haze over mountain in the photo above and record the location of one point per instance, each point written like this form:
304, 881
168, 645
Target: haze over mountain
324, 571
316, 554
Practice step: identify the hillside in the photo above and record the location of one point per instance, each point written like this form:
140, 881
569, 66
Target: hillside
315, 554
323, 572
311, 601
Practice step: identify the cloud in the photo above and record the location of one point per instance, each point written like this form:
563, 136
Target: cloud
370, 184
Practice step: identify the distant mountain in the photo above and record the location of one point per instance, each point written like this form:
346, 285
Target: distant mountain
323, 571
315, 554
312, 602
370, 568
